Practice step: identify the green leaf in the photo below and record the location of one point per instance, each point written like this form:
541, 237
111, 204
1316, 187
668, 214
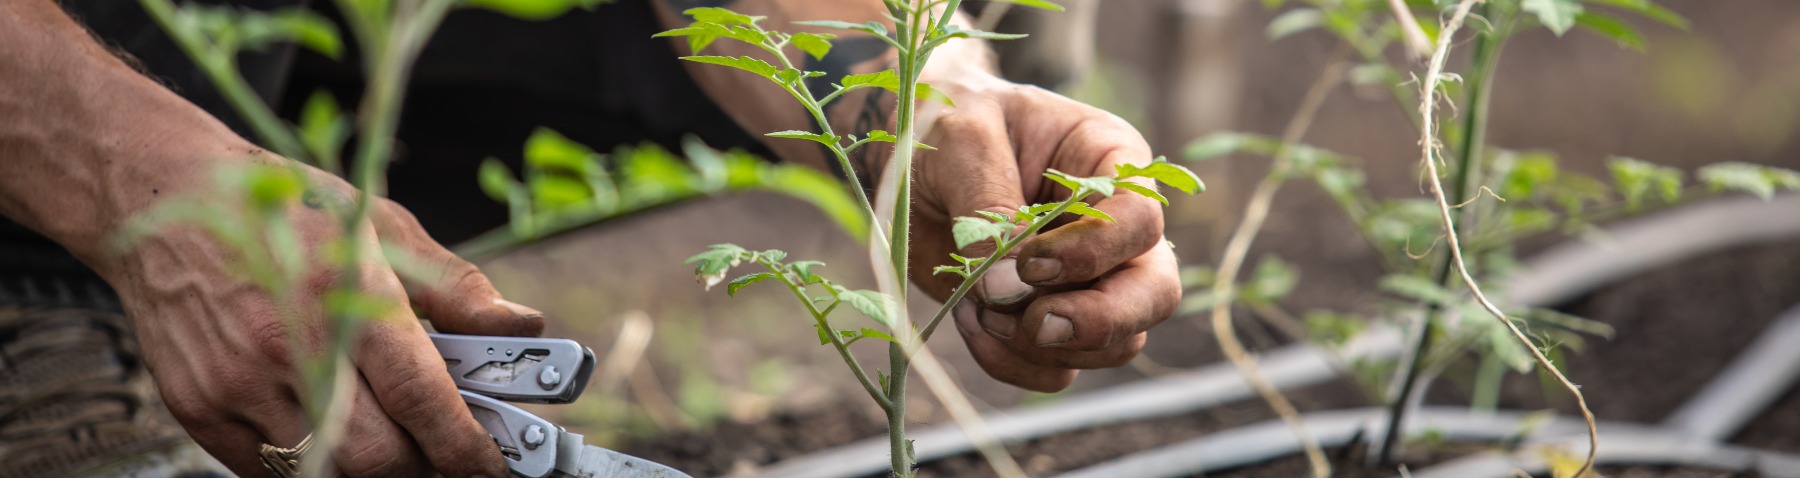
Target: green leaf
699, 37
310, 30
1736, 176
551, 192
958, 270
884, 79
881, 136
739, 283
1610, 27
806, 135
497, 181
969, 230
1273, 279
1557, 15
1636, 179
871, 303
1161, 170
721, 16
322, 128
759, 67
927, 93
874, 28
1649, 10
1089, 211
1295, 21
803, 270
1333, 329
815, 44
954, 31
1035, 4
551, 150
273, 188
711, 265
1418, 288
876, 334
1099, 184
1142, 190
533, 10
1525, 175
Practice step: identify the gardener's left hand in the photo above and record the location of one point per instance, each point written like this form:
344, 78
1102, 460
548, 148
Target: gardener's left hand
1079, 295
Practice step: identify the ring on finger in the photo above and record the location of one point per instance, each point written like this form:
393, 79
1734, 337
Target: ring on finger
284, 462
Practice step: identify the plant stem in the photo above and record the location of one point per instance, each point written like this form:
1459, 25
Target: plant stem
981, 270
819, 317
1238, 248
1427, 134
1485, 57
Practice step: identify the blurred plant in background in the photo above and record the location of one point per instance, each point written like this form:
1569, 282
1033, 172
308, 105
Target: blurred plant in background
1526, 195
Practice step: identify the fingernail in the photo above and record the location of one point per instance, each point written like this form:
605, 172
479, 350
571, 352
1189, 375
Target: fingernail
518, 309
1041, 269
1055, 330
998, 324
1002, 286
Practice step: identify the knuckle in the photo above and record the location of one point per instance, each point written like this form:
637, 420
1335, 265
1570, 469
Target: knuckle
270, 337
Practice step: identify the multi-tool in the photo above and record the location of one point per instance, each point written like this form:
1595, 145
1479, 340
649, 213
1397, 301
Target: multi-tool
534, 370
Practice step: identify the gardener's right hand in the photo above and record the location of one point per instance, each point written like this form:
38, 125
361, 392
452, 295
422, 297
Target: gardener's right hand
224, 359
87, 144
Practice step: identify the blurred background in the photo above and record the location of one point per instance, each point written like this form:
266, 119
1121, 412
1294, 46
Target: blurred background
735, 384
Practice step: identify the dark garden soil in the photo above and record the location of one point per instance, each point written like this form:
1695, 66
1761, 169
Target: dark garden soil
1676, 327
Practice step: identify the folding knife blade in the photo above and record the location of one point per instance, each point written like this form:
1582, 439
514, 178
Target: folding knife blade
518, 369
573, 459
536, 448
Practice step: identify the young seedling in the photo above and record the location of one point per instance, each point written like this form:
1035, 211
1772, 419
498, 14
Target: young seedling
918, 29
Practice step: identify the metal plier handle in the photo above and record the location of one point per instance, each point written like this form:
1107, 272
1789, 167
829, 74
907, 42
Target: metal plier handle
519, 369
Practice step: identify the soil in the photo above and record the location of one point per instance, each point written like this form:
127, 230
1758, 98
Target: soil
1672, 331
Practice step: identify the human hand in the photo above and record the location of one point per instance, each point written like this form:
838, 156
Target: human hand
223, 351
1082, 293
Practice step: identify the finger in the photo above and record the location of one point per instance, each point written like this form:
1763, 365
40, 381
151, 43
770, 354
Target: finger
1101, 326
235, 444
373, 444
453, 293
979, 171
1086, 248
407, 376
1000, 363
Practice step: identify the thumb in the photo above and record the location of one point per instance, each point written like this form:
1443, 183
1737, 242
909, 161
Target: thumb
450, 291
976, 169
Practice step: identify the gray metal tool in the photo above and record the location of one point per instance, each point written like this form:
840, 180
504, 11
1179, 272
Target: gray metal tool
534, 370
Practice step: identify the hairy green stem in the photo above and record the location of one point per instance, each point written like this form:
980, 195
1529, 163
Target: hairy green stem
843, 349
1005, 247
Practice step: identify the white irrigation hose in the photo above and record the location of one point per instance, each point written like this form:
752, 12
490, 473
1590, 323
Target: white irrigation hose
1557, 275
1289, 367
1575, 268
1626, 444
1752, 381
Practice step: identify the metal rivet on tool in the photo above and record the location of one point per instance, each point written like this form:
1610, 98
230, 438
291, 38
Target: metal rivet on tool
549, 378
533, 436
490, 350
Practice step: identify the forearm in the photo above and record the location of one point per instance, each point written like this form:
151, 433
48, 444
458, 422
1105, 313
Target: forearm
762, 107
85, 140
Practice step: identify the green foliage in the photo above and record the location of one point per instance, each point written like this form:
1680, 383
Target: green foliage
533, 9
1557, 15
1758, 180
567, 185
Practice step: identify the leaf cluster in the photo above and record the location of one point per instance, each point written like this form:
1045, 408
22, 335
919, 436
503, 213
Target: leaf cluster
565, 184
801, 277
